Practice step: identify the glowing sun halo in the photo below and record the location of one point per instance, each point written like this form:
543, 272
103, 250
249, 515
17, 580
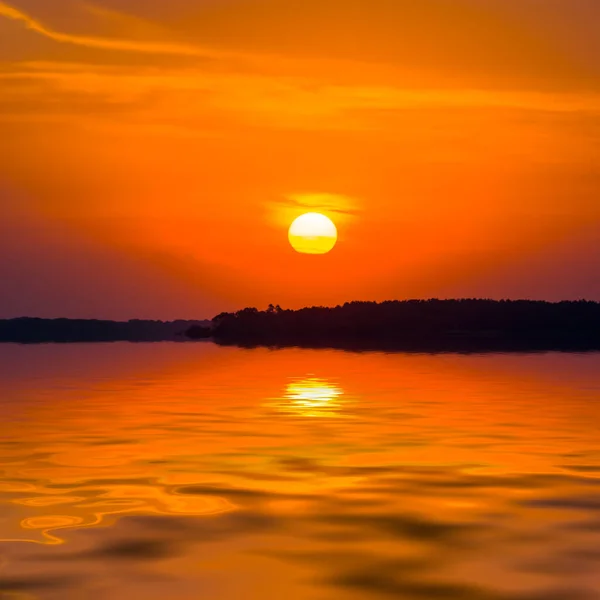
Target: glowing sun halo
313, 233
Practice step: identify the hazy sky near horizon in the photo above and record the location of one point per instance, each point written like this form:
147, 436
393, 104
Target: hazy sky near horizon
153, 154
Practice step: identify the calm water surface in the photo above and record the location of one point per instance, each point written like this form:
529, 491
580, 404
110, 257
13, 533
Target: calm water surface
189, 471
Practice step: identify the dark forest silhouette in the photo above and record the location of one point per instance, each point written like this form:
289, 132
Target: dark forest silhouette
32, 330
467, 324
412, 325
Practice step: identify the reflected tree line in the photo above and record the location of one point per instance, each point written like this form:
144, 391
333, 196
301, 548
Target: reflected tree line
414, 323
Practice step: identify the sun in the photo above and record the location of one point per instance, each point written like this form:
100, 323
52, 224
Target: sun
313, 233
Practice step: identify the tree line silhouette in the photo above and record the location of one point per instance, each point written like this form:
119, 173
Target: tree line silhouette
471, 323
34, 330
429, 325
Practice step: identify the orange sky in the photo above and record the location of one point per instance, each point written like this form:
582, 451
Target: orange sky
153, 155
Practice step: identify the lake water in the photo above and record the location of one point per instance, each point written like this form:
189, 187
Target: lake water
188, 471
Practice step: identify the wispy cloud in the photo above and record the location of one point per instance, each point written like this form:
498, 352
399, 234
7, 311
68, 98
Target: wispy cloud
338, 206
125, 45
276, 100
335, 203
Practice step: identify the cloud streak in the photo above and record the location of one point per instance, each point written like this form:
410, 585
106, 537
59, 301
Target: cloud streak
287, 94
124, 45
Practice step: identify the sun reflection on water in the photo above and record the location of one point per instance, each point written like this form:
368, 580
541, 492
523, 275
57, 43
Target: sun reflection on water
313, 397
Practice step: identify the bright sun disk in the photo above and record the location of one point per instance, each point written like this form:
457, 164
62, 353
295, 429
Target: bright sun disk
313, 233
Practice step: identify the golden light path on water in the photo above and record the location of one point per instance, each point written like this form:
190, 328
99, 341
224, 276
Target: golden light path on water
313, 397
190, 470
